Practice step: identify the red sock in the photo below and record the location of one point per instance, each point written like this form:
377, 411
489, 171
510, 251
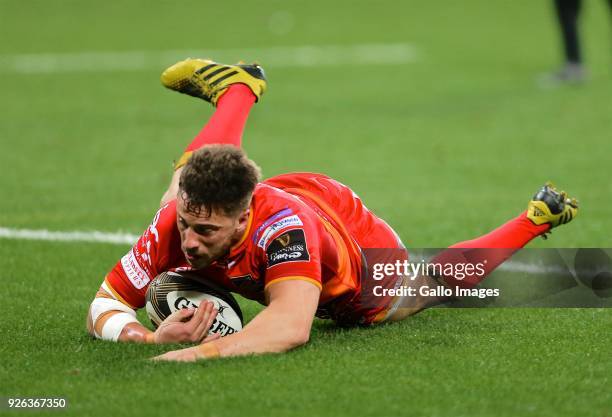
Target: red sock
492, 249
512, 235
227, 123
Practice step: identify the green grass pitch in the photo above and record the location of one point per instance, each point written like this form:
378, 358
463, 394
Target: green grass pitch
444, 147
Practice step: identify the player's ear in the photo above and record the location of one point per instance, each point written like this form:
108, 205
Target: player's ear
244, 218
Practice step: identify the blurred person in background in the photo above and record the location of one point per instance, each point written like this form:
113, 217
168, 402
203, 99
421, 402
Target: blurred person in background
573, 69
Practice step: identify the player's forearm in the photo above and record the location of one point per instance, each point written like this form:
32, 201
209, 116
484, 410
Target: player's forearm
266, 333
131, 332
109, 319
259, 341
118, 326
136, 332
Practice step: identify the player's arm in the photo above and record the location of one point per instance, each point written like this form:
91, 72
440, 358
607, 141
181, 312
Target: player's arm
111, 319
283, 325
108, 317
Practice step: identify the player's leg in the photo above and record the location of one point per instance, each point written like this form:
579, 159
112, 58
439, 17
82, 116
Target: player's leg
567, 16
233, 89
548, 209
489, 250
567, 13
226, 125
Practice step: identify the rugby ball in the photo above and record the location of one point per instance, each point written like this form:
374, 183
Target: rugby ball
171, 291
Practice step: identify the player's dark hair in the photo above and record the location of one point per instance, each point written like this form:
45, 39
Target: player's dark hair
218, 177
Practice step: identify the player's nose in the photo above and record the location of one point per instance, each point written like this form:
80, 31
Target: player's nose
190, 242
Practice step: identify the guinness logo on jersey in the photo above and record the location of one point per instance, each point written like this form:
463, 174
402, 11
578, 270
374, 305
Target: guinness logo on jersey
288, 247
284, 239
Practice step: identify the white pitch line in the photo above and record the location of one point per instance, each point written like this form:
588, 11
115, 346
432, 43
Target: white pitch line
121, 238
281, 57
74, 236
531, 269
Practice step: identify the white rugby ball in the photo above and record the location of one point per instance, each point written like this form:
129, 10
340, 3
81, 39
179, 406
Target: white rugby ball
172, 291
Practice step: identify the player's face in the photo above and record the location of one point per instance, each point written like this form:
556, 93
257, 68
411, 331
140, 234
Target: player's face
206, 238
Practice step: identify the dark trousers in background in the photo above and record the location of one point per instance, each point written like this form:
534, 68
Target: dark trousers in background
568, 12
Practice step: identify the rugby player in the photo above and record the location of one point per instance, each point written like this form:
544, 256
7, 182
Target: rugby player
294, 242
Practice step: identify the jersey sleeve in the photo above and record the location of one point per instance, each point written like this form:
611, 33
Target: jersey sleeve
132, 274
292, 250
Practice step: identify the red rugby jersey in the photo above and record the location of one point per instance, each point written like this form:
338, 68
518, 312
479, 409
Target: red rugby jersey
301, 226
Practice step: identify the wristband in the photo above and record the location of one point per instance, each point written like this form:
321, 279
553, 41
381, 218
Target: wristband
209, 350
112, 328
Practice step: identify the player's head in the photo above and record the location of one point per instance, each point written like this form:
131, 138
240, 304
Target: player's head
215, 191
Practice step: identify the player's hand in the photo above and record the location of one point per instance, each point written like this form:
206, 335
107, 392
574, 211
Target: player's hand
190, 354
187, 325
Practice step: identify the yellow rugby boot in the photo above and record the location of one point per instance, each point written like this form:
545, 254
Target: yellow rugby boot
208, 80
552, 207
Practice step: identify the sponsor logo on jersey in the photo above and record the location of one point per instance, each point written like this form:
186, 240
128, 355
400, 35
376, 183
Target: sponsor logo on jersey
286, 222
288, 247
284, 239
269, 221
135, 273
